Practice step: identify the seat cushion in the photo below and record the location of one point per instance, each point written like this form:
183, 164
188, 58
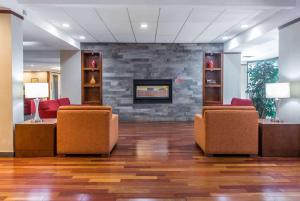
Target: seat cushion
241, 102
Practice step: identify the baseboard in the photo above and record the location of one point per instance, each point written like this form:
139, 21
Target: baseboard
7, 154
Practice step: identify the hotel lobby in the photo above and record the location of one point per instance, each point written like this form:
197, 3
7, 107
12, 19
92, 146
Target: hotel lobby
150, 100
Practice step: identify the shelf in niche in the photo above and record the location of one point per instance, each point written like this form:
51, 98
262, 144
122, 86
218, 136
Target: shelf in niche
91, 85
213, 85
213, 69
91, 69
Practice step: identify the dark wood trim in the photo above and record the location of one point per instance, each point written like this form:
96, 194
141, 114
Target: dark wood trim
7, 154
12, 13
289, 23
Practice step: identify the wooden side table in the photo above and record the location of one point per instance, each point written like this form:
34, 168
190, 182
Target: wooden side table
279, 138
35, 139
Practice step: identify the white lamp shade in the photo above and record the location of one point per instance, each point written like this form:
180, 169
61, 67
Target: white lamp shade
36, 90
278, 90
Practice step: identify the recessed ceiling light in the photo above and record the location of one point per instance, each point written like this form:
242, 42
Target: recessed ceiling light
66, 25
81, 37
144, 26
245, 26
225, 37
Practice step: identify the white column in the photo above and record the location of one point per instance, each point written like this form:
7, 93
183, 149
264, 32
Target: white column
289, 69
70, 63
11, 79
231, 77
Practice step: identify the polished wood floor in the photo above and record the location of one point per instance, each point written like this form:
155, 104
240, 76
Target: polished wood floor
153, 161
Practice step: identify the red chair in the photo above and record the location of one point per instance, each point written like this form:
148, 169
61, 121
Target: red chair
48, 108
241, 102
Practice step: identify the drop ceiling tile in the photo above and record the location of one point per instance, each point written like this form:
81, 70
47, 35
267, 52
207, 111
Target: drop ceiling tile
58, 16
174, 14
143, 14
113, 14
145, 35
190, 31
91, 22
125, 38
170, 28
165, 38
204, 15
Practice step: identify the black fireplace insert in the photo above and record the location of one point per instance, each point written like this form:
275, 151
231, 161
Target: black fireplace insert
152, 91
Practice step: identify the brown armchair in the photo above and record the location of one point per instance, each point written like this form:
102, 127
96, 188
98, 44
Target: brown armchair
86, 130
227, 130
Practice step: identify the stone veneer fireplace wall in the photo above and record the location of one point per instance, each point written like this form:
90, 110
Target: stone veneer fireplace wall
122, 63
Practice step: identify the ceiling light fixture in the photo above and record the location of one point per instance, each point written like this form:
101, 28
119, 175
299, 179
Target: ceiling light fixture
245, 26
144, 26
65, 25
225, 37
81, 37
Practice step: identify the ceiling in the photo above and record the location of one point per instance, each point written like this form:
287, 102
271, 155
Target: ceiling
264, 47
166, 24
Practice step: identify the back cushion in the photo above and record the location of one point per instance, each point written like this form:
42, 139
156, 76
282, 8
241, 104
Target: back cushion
241, 102
49, 105
63, 101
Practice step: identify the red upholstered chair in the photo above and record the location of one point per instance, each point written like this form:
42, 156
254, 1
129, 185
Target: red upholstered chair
241, 102
27, 106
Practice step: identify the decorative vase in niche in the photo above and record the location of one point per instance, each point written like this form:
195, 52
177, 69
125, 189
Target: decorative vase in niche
94, 63
211, 63
92, 81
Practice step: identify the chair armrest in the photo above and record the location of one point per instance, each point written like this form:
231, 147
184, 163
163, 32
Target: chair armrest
199, 131
114, 131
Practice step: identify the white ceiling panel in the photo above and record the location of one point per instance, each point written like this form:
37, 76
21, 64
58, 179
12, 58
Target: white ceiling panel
117, 21
176, 23
57, 17
169, 28
91, 21
224, 22
145, 35
174, 14
190, 31
204, 15
143, 14
165, 38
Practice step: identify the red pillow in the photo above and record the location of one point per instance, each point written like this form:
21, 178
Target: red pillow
241, 102
63, 101
49, 105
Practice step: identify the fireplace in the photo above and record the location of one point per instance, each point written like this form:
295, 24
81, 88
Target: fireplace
152, 91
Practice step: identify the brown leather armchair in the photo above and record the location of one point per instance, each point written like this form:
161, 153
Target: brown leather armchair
227, 130
86, 130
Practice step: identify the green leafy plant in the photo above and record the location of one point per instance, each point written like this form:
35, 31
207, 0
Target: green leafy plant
260, 73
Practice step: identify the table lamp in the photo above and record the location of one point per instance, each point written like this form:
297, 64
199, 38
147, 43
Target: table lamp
36, 91
277, 91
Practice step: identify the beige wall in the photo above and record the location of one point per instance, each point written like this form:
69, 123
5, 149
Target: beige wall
11, 79
42, 76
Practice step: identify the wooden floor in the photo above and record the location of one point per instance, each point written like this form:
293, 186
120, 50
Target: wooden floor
153, 161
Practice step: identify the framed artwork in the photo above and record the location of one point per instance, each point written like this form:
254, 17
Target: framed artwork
34, 80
